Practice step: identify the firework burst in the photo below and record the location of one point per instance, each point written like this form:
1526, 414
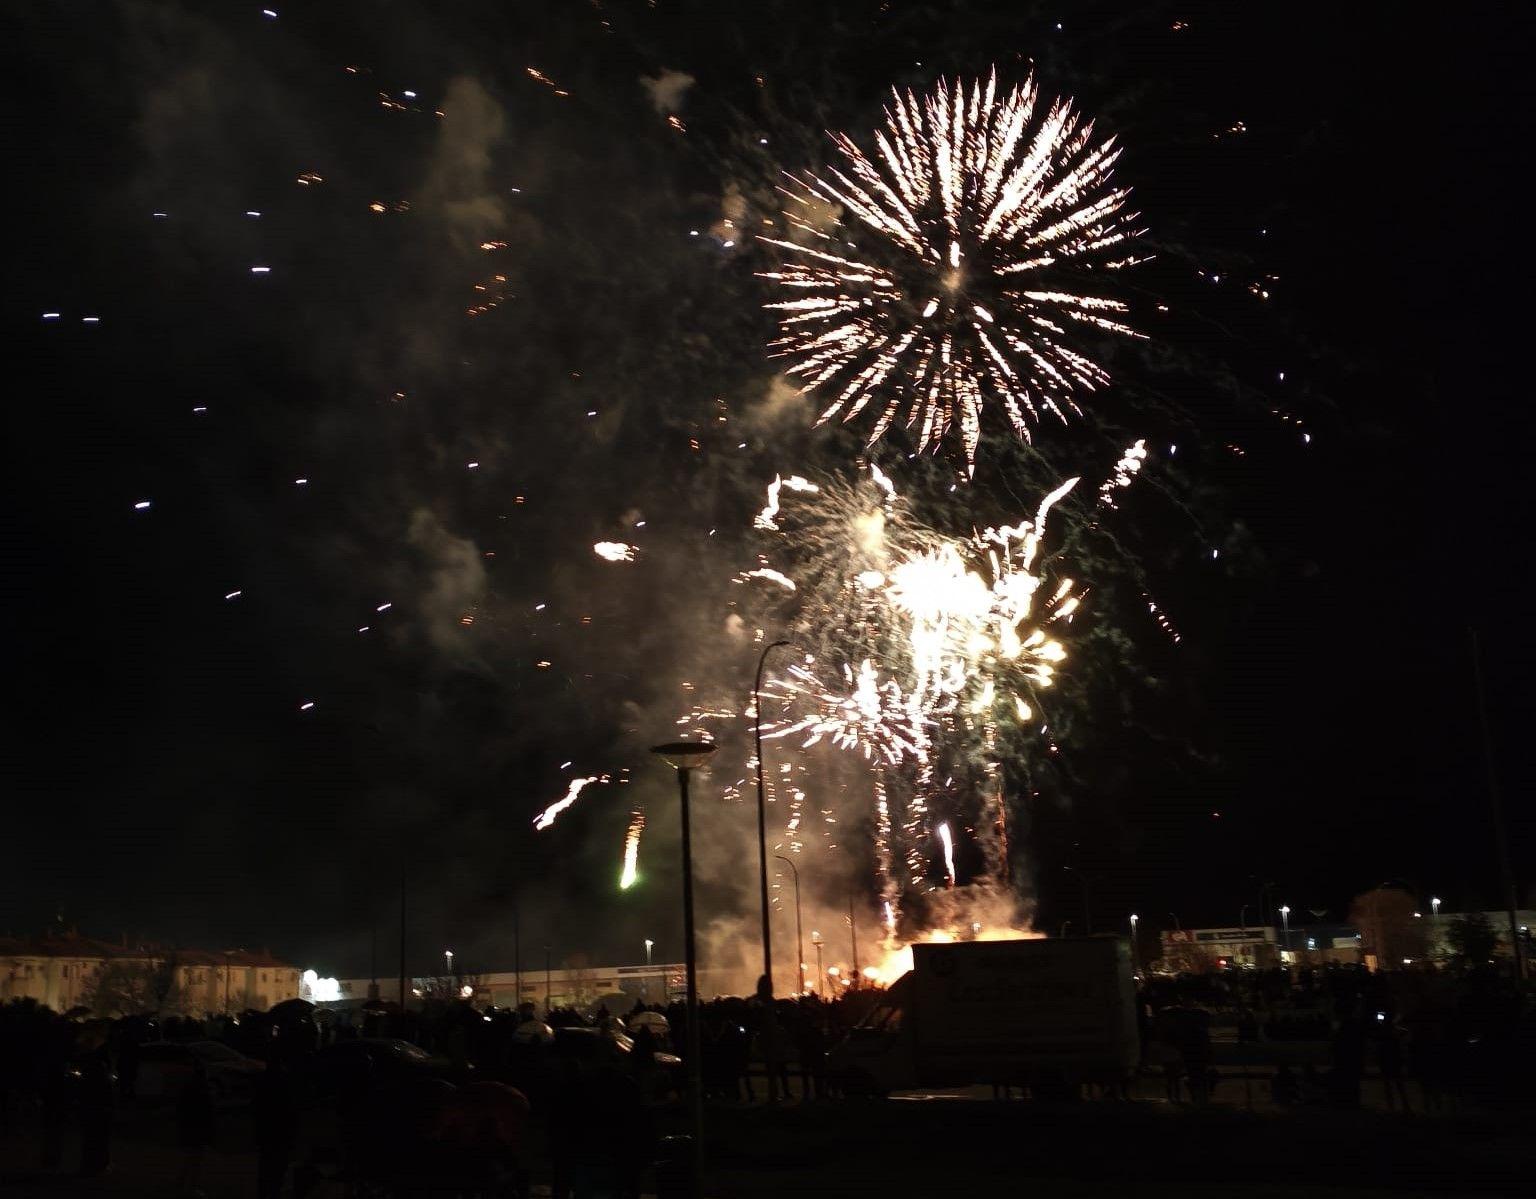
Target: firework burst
951, 269
921, 653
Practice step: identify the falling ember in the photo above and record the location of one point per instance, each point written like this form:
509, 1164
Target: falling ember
614, 551
1126, 470
628, 873
573, 792
949, 852
985, 209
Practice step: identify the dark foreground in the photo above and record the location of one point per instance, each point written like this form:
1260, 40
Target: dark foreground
941, 1145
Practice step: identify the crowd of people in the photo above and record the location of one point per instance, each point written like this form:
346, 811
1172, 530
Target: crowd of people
452, 1089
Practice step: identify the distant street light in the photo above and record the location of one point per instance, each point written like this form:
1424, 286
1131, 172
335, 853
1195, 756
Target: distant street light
685, 757
1434, 907
1285, 919
821, 987
799, 936
448, 961
762, 811
647, 986
1134, 954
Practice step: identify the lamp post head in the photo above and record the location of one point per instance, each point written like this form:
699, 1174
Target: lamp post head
1285, 909
1134, 919
684, 755
648, 944
1435, 903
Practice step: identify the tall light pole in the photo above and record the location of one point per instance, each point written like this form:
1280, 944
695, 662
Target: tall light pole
1434, 911
1285, 919
684, 757
448, 962
799, 936
648, 944
1134, 955
762, 805
517, 957
821, 977
1496, 810
853, 940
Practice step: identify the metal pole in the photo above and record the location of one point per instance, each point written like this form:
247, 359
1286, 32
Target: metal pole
1496, 807
695, 1087
762, 810
402, 936
821, 985
853, 936
799, 935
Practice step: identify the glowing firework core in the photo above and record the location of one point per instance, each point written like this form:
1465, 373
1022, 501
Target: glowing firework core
945, 272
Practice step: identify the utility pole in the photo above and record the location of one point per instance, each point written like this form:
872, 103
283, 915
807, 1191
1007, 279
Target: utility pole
1496, 807
402, 934
517, 955
762, 802
853, 936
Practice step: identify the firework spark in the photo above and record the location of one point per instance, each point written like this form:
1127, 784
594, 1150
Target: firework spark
982, 218
614, 551
949, 852
572, 793
628, 872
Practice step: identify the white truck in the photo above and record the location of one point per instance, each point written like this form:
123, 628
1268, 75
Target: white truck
1002, 1012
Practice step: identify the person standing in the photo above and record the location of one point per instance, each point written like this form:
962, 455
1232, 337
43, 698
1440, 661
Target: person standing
276, 1118
95, 1111
194, 1127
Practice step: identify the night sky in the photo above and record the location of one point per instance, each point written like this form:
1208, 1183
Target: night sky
515, 284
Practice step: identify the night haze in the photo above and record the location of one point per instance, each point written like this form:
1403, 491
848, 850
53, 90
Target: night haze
373, 320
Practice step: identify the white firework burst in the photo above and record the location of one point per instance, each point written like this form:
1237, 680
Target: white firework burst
956, 272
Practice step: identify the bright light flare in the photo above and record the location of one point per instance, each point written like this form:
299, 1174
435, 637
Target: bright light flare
614, 551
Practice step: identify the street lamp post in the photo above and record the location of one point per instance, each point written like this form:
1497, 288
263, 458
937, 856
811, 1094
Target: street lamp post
821, 984
648, 944
799, 936
1285, 920
684, 757
762, 805
448, 962
1134, 955
1434, 911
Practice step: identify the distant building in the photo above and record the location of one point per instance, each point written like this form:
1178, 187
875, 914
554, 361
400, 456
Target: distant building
577, 988
62, 971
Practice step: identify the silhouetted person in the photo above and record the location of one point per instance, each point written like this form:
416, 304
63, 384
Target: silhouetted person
194, 1126
276, 1119
1348, 1064
94, 1105
811, 1046
1389, 1059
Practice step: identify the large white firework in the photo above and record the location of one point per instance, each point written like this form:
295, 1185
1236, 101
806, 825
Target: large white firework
952, 268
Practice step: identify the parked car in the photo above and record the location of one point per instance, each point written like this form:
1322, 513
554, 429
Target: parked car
164, 1067
384, 1059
